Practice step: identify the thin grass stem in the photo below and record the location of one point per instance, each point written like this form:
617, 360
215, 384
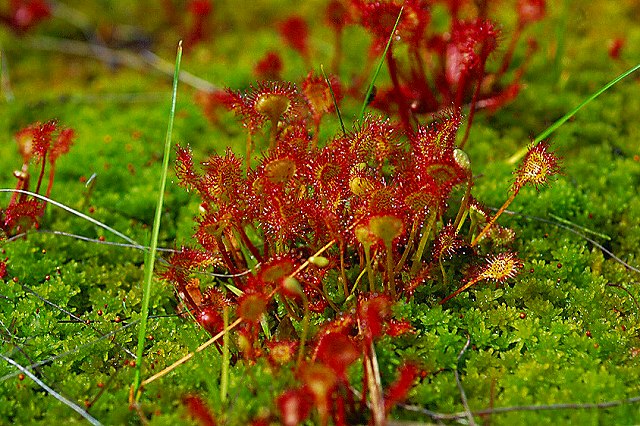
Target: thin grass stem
190, 355
379, 67
151, 255
226, 359
333, 98
75, 407
518, 155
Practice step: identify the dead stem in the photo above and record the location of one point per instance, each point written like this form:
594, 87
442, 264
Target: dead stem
190, 355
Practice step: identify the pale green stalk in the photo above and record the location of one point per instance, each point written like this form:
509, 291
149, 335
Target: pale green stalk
333, 98
151, 255
518, 155
226, 359
379, 67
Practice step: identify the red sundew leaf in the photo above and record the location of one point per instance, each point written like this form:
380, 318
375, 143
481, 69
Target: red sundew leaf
337, 15
472, 42
343, 324
224, 181
320, 380
538, 165
395, 328
294, 406
383, 227
501, 98
188, 178
379, 17
438, 139
478, 212
3, 269
35, 139
398, 391
22, 216
183, 262
500, 267
316, 91
373, 311
317, 303
615, 48
211, 102
200, 7
282, 352
61, 145
211, 227
25, 14
447, 243
295, 32
420, 198
251, 306
274, 270
198, 410
337, 351
270, 100
530, 11
376, 141
279, 210
500, 235
42, 136
269, 67
423, 276
210, 319
415, 21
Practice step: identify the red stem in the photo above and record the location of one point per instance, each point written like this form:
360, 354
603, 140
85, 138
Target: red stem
474, 100
508, 56
52, 172
247, 242
44, 164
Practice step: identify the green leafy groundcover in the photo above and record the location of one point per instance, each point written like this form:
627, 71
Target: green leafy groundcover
560, 343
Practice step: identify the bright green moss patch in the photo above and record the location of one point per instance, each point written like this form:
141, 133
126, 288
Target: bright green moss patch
564, 331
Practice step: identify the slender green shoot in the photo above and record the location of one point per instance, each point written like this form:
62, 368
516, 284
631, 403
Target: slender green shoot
151, 255
379, 67
582, 228
75, 407
518, 155
561, 44
226, 358
333, 97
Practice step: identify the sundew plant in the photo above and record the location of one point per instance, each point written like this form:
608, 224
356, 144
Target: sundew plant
363, 212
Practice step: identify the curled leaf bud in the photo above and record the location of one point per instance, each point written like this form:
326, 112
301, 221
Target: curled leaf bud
319, 261
462, 159
292, 286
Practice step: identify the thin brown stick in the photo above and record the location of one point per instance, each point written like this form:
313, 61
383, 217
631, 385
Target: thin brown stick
190, 355
515, 408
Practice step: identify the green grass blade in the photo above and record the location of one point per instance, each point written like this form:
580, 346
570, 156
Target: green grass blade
582, 228
333, 98
151, 255
518, 155
379, 67
75, 407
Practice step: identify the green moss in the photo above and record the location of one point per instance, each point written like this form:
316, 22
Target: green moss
554, 335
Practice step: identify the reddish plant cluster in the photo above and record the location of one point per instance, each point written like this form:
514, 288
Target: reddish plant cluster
41, 144
431, 67
341, 232
22, 15
196, 24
